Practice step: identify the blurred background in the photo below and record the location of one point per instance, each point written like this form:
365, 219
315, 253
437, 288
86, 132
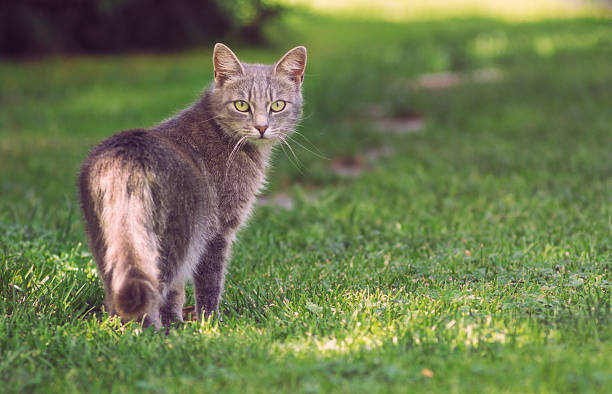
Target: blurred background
43, 27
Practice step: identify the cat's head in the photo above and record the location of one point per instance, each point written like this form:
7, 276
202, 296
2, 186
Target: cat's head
262, 103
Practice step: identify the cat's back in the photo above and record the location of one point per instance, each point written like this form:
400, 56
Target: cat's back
136, 147
140, 164
140, 150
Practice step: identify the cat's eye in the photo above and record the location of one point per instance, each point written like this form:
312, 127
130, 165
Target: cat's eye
241, 105
277, 106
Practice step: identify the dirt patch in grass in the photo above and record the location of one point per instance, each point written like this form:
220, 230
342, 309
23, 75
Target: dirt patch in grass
445, 80
437, 81
280, 200
189, 313
401, 123
348, 166
378, 153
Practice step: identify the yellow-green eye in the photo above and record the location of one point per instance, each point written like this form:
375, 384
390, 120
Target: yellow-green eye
241, 105
277, 106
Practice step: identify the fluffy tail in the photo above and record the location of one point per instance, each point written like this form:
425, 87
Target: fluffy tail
135, 295
125, 208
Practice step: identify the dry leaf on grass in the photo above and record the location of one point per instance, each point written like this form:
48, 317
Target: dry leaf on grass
428, 373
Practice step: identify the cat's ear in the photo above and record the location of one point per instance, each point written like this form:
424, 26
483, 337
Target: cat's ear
226, 64
293, 64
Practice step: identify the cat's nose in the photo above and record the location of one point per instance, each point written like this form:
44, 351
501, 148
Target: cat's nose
262, 129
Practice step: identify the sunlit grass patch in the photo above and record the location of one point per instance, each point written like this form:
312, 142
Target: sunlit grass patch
406, 10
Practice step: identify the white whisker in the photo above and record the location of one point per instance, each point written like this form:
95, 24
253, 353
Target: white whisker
214, 117
291, 149
314, 153
229, 158
321, 154
297, 163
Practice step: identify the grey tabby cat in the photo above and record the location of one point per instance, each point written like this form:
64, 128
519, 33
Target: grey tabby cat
163, 205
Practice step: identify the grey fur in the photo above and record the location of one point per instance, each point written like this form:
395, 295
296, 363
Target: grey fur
163, 205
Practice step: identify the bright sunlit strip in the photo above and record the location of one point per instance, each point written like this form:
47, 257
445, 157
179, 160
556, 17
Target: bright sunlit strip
400, 10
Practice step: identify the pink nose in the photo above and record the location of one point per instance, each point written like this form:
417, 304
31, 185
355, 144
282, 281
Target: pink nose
262, 129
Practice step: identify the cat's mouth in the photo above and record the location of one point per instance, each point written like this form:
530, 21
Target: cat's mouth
265, 138
262, 140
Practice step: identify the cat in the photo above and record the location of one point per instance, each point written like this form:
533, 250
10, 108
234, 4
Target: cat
163, 205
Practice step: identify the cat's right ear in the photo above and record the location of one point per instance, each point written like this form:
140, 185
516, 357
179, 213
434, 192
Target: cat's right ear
226, 64
292, 65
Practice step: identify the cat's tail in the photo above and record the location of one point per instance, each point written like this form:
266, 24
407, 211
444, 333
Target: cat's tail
135, 295
126, 211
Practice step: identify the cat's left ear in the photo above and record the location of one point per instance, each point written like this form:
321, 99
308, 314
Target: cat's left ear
292, 65
226, 63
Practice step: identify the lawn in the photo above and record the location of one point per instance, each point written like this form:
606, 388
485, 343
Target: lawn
473, 253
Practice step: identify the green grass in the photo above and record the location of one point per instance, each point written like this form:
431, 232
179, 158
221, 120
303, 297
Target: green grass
480, 250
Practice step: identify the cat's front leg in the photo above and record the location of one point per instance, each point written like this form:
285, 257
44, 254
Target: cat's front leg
208, 276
